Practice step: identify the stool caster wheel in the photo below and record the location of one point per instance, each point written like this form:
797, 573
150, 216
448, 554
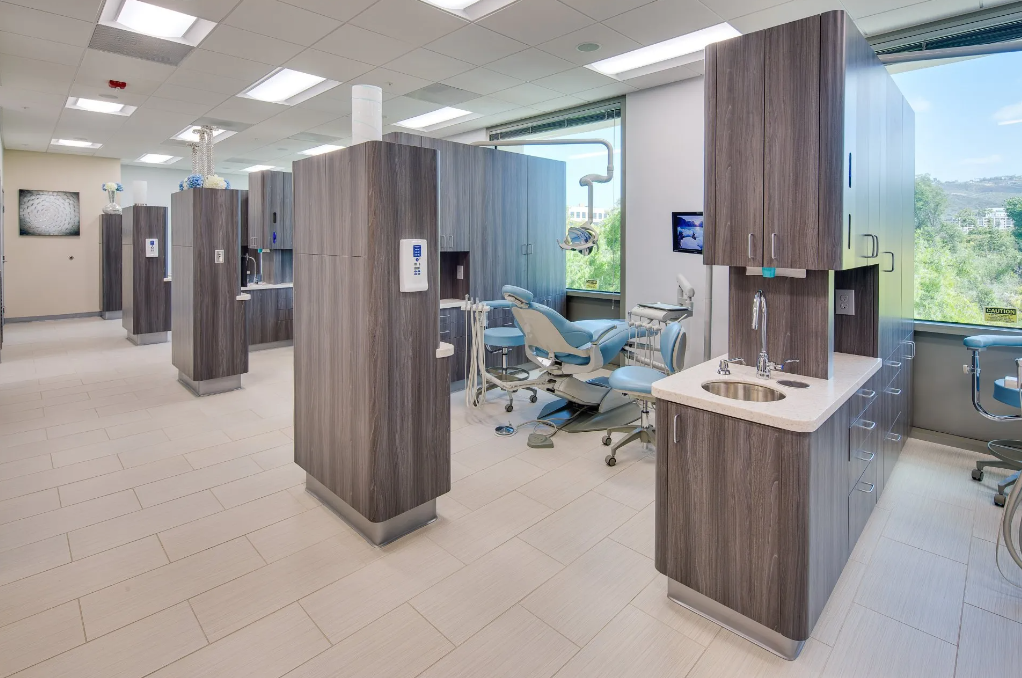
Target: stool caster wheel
509, 407
977, 474
533, 398
607, 440
999, 499
610, 460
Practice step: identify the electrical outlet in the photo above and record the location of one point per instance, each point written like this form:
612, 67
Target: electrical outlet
461, 273
844, 302
218, 256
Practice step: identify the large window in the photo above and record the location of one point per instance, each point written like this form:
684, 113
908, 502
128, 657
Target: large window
968, 237
601, 270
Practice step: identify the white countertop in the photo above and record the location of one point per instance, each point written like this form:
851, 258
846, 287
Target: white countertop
266, 286
450, 303
444, 350
802, 410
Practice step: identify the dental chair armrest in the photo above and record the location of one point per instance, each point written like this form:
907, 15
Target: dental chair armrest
610, 330
499, 303
981, 341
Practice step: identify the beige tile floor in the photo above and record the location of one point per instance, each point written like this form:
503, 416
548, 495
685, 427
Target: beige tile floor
147, 532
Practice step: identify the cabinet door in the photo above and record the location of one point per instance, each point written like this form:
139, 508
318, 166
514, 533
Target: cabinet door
256, 183
286, 219
499, 243
739, 82
791, 174
908, 231
863, 243
546, 227
273, 209
462, 187
861, 502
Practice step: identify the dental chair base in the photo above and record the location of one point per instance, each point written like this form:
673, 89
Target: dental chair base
1008, 455
587, 405
379, 534
645, 433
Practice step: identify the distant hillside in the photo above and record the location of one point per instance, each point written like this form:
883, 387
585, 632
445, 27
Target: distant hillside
979, 194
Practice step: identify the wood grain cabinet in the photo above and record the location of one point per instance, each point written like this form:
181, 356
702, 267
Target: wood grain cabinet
111, 267
805, 138
269, 316
270, 210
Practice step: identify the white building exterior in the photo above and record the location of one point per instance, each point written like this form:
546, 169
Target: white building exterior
581, 213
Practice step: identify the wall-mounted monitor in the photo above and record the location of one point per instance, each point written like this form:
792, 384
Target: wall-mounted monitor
687, 232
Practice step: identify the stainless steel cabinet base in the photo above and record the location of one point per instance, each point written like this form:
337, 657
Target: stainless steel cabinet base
112, 315
210, 386
271, 344
151, 338
753, 631
379, 534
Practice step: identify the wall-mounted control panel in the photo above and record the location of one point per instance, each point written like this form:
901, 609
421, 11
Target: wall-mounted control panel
152, 247
414, 276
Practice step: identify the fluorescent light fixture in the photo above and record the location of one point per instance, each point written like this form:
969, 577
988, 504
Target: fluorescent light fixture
469, 9
638, 61
287, 86
434, 118
158, 22
257, 168
319, 150
96, 106
158, 159
451, 4
191, 133
74, 143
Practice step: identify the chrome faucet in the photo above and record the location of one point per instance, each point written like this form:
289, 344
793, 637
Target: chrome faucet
759, 322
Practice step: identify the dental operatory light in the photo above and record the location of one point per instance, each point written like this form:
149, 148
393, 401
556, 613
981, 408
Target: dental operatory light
158, 22
158, 159
320, 150
257, 168
642, 61
434, 119
288, 86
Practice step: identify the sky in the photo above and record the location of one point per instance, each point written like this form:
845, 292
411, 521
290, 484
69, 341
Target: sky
968, 117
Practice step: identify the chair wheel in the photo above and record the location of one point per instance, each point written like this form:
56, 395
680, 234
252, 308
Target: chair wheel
610, 460
999, 499
509, 407
607, 440
977, 474
533, 398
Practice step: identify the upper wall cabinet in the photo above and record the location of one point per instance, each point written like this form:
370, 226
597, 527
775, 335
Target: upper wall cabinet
796, 117
270, 210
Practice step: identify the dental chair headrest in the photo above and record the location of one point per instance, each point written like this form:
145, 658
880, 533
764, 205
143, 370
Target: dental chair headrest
518, 296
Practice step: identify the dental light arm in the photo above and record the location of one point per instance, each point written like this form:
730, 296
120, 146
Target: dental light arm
585, 238
686, 292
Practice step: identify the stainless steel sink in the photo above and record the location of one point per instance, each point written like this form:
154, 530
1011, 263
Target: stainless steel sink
739, 390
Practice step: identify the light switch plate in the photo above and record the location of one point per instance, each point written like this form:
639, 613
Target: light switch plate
218, 256
844, 302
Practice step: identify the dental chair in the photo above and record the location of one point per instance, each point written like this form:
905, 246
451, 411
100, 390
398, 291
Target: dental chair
1007, 453
636, 381
567, 351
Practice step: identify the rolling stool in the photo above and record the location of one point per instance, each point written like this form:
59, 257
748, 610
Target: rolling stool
501, 340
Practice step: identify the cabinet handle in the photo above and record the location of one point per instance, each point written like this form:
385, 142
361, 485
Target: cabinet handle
876, 246
773, 245
868, 425
849, 231
871, 488
750, 245
867, 393
274, 217
891, 269
894, 437
525, 250
893, 391
913, 345
849, 170
530, 248
893, 363
674, 427
859, 454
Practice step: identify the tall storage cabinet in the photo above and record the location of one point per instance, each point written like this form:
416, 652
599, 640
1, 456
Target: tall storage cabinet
270, 210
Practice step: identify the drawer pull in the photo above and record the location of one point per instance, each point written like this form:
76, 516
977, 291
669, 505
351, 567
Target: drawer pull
893, 363
871, 487
773, 245
894, 437
867, 393
868, 425
863, 455
675, 427
750, 245
893, 391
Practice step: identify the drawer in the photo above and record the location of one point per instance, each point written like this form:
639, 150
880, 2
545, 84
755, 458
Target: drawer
864, 397
863, 427
862, 455
890, 368
861, 501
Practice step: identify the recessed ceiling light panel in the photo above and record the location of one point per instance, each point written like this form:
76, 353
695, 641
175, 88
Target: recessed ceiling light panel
320, 150
74, 143
146, 18
469, 9
288, 87
191, 133
257, 168
97, 106
435, 119
663, 55
158, 159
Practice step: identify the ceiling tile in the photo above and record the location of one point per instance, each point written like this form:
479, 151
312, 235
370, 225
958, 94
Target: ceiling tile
339, 129
605, 92
278, 20
402, 108
211, 10
247, 45
535, 21
604, 9
176, 106
190, 95
530, 65
781, 14
488, 105
411, 21
86, 10
665, 76
439, 93
359, 44
482, 81
154, 124
729, 9
225, 65
37, 48
861, 8
26, 21
476, 45
610, 41
336, 105
423, 63
905, 17
95, 127
207, 81
104, 66
663, 19
239, 109
294, 119
103, 91
575, 80
527, 94
16, 98
327, 65
31, 74
342, 10
393, 83
557, 104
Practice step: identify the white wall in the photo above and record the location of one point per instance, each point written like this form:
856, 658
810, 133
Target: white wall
664, 174
163, 181
469, 137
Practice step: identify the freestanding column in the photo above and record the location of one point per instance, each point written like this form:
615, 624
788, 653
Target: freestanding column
372, 394
110, 257
210, 349
145, 288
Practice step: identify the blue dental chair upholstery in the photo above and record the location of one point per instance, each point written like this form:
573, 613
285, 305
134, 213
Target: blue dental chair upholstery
637, 381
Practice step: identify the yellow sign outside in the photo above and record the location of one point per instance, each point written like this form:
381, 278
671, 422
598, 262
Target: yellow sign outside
592, 284
996, 314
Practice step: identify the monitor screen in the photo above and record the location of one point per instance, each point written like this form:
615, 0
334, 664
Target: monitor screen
687, 232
